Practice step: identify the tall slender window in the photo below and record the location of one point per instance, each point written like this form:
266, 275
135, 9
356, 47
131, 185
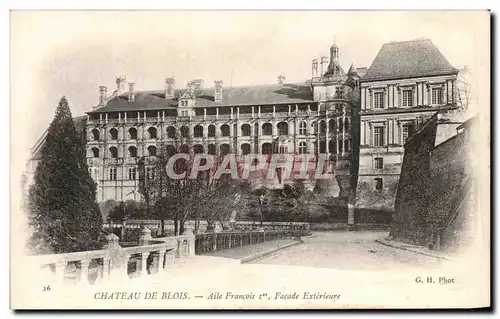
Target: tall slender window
407, 131
131, 173
378, 136
437, 96
302, 148
378, 162
112, 173
378, 100
303, 128
407, 98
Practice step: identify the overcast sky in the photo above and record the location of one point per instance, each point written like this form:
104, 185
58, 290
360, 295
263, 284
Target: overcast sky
72, 53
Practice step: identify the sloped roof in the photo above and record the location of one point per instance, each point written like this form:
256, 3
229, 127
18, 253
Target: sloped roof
231, 96
415, 58
80, 124
361, 71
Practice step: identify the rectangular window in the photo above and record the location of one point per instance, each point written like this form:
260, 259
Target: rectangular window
378, 136
379, 162
407, 98
378, 183
407, 131
150, 173
378, 100
437, 96
131, 173
112, 174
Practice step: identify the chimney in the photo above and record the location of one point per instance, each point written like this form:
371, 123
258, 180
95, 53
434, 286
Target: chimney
170, 87
281, 79
131, 92
324, 65
103, 95
218, 91
120, 84
315, 68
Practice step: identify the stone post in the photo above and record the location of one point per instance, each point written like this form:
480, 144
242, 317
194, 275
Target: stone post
84, 271
161, 260
118, 258
191, 238
350, 216
144, 263
145, 236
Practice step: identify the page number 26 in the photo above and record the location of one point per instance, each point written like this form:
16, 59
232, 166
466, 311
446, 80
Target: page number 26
46, 288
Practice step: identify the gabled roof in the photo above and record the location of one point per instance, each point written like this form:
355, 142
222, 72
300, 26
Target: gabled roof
231, 96
408, 59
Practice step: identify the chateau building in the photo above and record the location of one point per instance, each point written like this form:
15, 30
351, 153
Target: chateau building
360, 119
404, 86
307, 118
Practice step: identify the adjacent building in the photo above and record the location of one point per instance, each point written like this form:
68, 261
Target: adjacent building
405, 85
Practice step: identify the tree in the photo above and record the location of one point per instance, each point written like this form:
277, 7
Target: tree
64, 214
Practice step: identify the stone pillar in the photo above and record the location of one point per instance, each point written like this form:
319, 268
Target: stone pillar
161, 259
144, 262
363, 137
104, 273
191, 238
363, 98
84, 271
397, 97
145, 236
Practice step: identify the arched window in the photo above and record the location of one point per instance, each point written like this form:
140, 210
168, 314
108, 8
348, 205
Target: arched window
212, 149
132, 151
113, 152
322, 129
282, 128
303, 128
267, 129
171, 132
95, 152
184, 131
152, 150
322, 147
283, 149
332, 147
347, 145
198, 149
341, 125
346, 124
211, 130
152, 132
184, 149
224, 130
245, 148
314, 127
113, 134
302, 148
267, 148
198, 131
245, 130
331, 125
171, 150
341, 146
95, 134
132, 133
378, 183
224, 149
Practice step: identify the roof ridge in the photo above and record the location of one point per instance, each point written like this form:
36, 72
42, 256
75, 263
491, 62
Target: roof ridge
406, 41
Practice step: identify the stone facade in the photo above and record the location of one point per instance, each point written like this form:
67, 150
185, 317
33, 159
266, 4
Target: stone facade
394, 100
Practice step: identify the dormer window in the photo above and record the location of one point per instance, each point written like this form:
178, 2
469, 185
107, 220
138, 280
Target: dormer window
184, 103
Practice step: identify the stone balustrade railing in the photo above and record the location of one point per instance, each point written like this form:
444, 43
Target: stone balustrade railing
115, 262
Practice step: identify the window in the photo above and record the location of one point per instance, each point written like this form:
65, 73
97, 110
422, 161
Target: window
184, 113
184, 103
132, 151
282, 128
437, 96
267, 129
152, 150
378, 183
378, 100
339, 91
113, 152
198, 131
95, 134
113, 133
112, 173
171, 132
303, 128
211, 130
302, 148
131, 173
152, 132
184, 131
95, 152
132, 133
346, 124
245, 130
407, 97
150, 173
283, 149
379, 162
224, 130
407, 131
347, 145
378, 136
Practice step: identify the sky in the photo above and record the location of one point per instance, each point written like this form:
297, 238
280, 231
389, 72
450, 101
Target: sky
71, 53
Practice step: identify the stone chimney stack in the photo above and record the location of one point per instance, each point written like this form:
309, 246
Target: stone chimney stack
169, 87
315, 68
103, 95
120, 84
324, 65
281, 79
218, 91
131, 91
